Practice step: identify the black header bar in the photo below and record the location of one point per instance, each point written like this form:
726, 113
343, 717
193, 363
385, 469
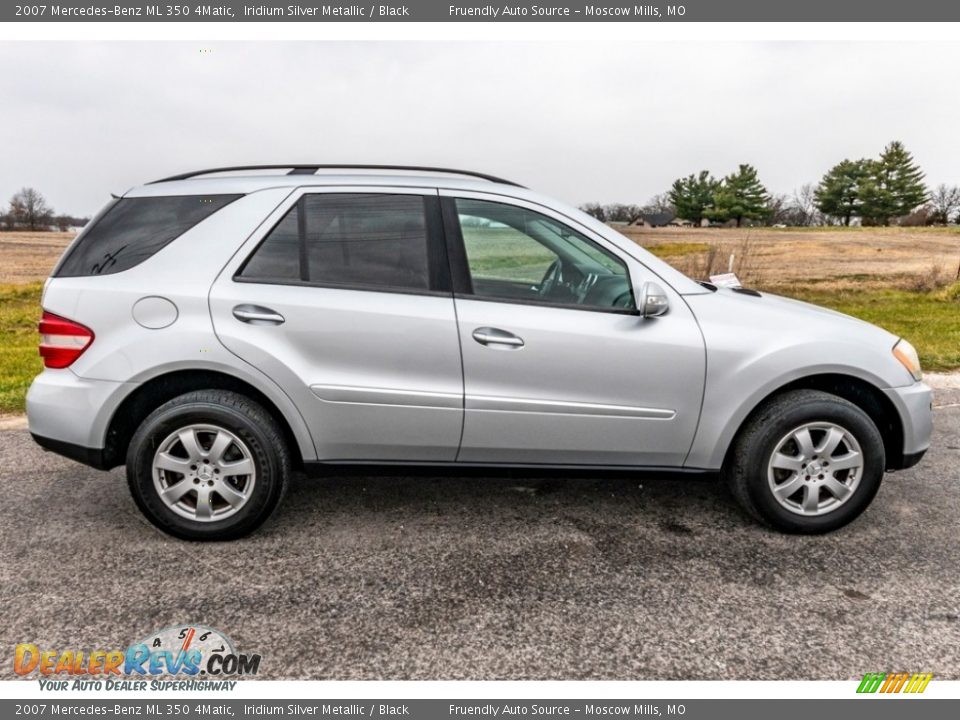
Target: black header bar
516, 11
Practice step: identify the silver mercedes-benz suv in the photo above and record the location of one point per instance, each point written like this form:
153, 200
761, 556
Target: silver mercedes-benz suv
218, 330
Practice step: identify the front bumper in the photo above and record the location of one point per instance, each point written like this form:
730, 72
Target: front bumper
914, 404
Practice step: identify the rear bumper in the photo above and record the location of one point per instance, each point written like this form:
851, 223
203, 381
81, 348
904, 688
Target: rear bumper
69, 414
914, 404
94, 457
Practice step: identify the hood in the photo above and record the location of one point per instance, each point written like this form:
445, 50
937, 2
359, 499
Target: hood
770, 336
785, 315
791, 305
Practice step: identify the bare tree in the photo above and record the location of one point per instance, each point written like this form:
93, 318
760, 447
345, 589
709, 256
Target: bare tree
798, 209
620, 212
659, 203
779, 210
945, 203
595, 210
628, 212
923, 215
29, 210
804, 202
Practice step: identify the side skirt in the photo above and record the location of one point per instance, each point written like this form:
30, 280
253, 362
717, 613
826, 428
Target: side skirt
317, 468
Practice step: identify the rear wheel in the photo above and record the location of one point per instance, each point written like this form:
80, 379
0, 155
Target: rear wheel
807, 462
208, 465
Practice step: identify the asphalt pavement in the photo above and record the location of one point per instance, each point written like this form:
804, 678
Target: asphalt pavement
438, 578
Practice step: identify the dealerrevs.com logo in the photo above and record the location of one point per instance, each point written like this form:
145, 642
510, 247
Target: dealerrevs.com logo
894, 682
184, 650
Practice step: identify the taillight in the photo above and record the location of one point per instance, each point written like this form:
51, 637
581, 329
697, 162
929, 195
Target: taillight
62, 341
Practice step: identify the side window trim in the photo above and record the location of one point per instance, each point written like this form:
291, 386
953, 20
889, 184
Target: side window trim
544, 304
438, 261
456, 250
439, 283
301, 238
460, 267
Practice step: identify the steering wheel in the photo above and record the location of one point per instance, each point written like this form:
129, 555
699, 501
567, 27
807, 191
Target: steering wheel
551, 278
625, 301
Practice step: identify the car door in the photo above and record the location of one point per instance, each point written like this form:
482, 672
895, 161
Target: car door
559, 368
344, 299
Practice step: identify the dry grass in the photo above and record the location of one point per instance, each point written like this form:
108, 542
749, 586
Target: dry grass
830, 258
29, 256
736, 257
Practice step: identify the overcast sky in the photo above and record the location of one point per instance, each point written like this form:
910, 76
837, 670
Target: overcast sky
605, 122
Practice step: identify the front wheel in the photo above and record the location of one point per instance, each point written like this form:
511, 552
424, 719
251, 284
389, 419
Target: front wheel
807, 462
208, 465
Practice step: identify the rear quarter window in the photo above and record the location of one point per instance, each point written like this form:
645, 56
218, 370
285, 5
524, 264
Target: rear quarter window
133, 229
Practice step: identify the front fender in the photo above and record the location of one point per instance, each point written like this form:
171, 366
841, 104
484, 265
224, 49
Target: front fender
754, 349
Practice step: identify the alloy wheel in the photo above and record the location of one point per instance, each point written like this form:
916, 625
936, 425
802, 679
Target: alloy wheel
815, 468
204, 472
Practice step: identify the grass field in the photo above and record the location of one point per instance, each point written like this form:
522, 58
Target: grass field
19, 360
903, 279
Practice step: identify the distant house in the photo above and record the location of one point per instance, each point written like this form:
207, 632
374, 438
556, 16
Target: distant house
655, 220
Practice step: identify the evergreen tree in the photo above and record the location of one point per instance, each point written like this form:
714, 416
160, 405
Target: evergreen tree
838, 194
741, 196
692, 196
893, 186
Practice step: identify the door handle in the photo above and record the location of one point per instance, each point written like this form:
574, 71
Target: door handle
496, 336
257, 315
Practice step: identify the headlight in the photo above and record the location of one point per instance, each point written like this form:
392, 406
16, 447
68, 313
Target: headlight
907, 355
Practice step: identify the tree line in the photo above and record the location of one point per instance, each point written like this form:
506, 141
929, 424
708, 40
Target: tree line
886, 190
28, 210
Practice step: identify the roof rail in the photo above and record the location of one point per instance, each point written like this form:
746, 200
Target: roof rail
298, 169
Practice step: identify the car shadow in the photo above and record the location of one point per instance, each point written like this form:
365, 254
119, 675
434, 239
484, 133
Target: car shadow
677, 505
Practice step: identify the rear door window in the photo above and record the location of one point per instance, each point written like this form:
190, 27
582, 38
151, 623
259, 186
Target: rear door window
133, 229
363, 241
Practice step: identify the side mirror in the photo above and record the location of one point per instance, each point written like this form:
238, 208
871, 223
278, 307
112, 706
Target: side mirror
652, 301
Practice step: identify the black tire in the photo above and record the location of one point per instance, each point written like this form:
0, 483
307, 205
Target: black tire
747, 470
241, 416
